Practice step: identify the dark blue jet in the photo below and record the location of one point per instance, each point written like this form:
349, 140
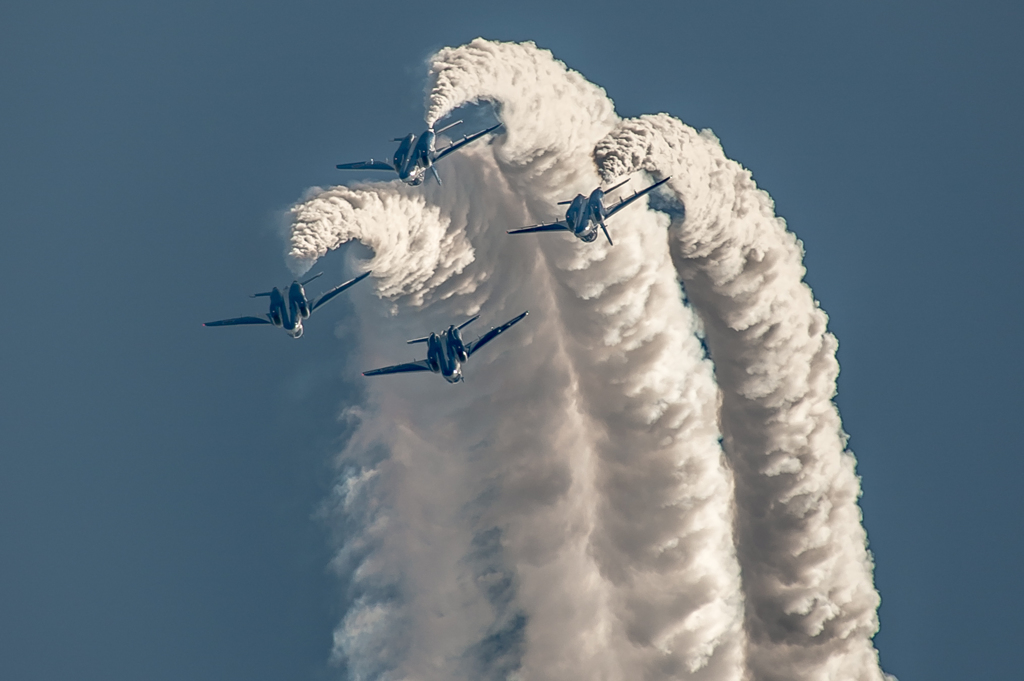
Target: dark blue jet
586, 214
415, 156
446, 351
289, 317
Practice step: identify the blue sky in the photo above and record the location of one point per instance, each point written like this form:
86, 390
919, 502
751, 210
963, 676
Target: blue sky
158, 481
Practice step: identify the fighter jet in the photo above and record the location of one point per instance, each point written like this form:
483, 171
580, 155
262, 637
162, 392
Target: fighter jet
586, 214
289, 317
446, 351
416, 155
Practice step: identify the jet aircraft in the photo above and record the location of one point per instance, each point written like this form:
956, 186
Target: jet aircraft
446, 351
289, 316
586, 214
416, 155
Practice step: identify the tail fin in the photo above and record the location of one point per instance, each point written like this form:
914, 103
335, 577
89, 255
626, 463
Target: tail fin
468, 322
436, 176
312, 278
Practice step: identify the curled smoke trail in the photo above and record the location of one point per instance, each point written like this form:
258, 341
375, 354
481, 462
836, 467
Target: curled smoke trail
568, 513
811, 605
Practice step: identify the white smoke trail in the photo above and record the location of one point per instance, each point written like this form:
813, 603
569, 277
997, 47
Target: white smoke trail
567, 513
811, 605
481, 513
662, 539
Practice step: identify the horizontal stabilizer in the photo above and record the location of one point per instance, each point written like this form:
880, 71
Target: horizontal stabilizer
636, 195
611, 189
238, 321
468, 322
319, 274
418, 340
367, 165
463, 142
492, 334
606, 191
400, 369
447, 127
553, 227
338, 289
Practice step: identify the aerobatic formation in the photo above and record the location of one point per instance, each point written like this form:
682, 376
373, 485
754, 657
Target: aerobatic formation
652, 482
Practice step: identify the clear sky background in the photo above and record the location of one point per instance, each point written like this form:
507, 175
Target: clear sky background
159, 481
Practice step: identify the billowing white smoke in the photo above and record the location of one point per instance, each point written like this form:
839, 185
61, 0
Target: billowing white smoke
811, 605
569, 511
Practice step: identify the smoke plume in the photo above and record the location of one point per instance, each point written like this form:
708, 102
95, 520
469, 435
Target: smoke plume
598, 500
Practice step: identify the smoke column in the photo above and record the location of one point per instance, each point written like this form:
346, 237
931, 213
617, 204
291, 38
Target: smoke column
811, 605
581, 507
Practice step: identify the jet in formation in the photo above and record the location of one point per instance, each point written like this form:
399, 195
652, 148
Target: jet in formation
446, 351
416, 155
298, 308
586, 214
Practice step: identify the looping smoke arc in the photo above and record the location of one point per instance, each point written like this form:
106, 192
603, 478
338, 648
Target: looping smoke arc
599, 500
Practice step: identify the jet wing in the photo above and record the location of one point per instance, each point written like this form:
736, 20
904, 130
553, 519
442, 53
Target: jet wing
400, 369
552, 227
455, 146
239, 320
492, 334
367, 165
636, 195
324, 297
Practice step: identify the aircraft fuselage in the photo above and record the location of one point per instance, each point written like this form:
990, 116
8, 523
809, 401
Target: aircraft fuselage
289, 316
585, 215
445, 354
415, 155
